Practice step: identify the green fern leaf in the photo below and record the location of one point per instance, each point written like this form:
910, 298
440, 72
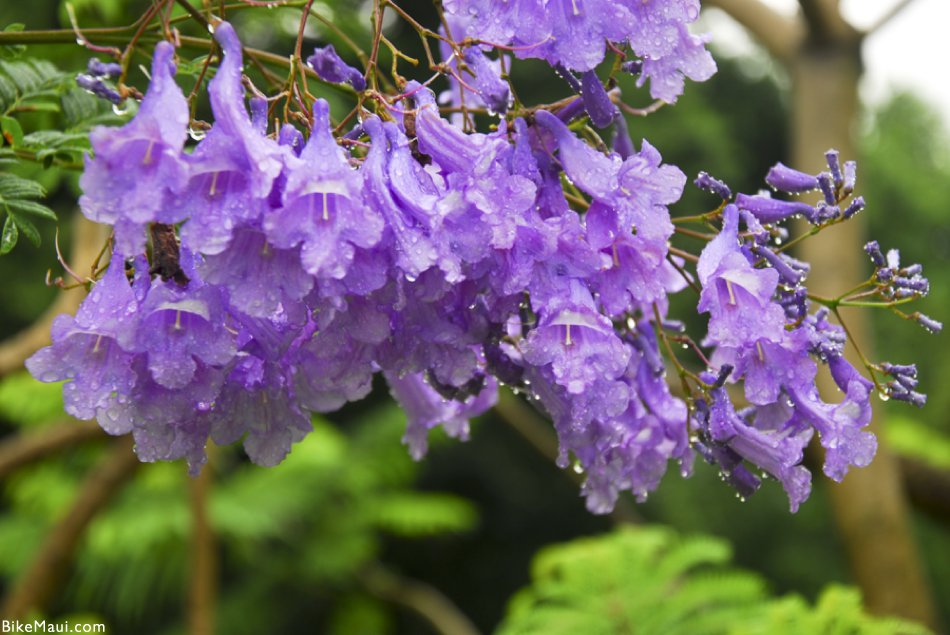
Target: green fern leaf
650, 581
29, 82
16, 194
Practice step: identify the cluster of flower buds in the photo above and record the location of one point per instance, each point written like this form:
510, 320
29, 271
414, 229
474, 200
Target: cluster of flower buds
93, 80
258, 276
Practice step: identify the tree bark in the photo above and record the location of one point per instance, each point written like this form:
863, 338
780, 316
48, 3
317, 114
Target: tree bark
50, 567
869, 507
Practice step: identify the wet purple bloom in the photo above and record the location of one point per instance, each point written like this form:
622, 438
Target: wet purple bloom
91, 351
323, 208
98, 68
259, 278
330, 67
232, 171
778, 451
601, 110
98, 88
737, 296
257, 400
771, 210
425, 409
492, 89
578, 343
133, 170
787, 179
181, 326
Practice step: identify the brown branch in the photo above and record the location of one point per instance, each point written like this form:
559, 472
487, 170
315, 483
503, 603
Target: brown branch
23, 449
540, 435
419, 597
86, 244
885, 19
825, 22
780, 35
50, 566
204, 561
927, 487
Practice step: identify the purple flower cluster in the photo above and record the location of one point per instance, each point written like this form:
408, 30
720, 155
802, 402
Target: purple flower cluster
304, 270
257, 277
575, 33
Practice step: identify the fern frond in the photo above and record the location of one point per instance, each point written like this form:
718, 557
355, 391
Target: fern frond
28, 83
650, 581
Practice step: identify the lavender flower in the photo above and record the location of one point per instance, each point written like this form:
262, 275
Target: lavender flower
330, 67
135, 169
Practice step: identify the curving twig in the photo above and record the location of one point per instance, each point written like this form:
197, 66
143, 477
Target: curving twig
50, 566
23, 449
421, 598
204, 561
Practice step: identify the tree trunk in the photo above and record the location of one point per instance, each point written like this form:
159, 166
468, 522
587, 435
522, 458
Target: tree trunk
869, 506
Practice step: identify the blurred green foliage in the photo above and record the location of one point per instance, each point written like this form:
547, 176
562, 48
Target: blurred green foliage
293, 540
652, 581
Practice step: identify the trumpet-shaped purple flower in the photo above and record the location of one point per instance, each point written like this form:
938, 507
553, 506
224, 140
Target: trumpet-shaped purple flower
323, 208
737, 296
574, 34
232, 171
166, 423
259, 278
425, 409
134, 170
776, 450
92, 350
179, 327
492, 89
257, 402
579, 344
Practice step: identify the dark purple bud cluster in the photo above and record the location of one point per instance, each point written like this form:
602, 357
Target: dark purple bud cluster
713, 185
93, 80
895, 282
903, 385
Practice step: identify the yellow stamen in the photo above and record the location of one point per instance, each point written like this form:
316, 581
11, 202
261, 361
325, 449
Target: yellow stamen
567, 337
214, 184
732, 295
95, 349
177, 320
326, 213
148, 154
616, 256
577, 11
758, 348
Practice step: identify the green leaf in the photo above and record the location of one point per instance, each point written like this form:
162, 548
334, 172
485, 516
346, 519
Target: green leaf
30, 82
12, 51
17, 199
79, 106
9, 237
13, 187
27, 228
12, 132
651, 581
32, 207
